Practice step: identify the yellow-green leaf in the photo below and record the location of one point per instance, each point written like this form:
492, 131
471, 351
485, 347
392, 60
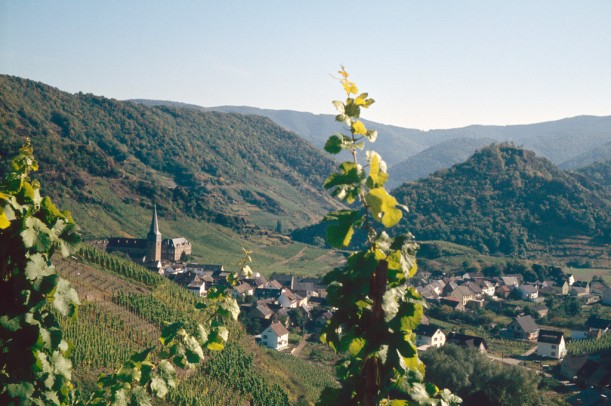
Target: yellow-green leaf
356, 346
4, 223
359, 128
383, 207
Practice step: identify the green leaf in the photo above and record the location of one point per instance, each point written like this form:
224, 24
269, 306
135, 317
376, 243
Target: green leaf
341, 230
159, 387
37, 267
146, 371
356, 345
383, 207
339, 106
166, 370
169, 332
36, 235
23, 390
142, 355
349, 174
333, 145
65, 299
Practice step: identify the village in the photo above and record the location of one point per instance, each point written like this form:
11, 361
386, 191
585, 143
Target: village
517, 319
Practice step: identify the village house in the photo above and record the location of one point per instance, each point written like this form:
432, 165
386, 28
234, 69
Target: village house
580, 289
428, 335
276, 337
523, 327
503, 291
467, 341
197, 286
243, 290
551, 344
528, 292
291, 300
540, 310
463, 294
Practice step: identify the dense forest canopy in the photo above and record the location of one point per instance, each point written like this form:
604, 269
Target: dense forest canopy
504, 197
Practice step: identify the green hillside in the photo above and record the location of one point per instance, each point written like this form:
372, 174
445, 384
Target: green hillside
228, 169
120, 314
505, 200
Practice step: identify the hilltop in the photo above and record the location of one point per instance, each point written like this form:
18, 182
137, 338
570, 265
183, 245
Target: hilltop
506, 200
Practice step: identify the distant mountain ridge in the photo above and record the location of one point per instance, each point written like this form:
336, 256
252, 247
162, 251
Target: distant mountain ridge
560, 140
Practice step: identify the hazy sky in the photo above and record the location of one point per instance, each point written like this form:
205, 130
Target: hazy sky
429, 64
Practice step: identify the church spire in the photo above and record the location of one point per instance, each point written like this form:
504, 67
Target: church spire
154, 234
154, 224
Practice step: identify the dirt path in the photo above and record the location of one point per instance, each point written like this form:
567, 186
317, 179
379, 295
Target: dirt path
295, 351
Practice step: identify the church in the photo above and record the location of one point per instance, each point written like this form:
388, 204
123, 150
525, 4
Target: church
152, 250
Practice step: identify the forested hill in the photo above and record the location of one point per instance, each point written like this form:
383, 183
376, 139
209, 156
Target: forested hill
217, 166
502, 200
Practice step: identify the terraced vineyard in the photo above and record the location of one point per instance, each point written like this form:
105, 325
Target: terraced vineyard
119, 315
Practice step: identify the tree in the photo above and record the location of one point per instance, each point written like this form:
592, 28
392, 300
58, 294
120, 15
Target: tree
376, 309
478, 380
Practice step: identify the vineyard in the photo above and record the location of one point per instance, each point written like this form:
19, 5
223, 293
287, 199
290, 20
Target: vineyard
96, 334
589, 346
124, 306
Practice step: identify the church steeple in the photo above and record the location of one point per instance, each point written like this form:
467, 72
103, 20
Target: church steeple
154, 233
154, 240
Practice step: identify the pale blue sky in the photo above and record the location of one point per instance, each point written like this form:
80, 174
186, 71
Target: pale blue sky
429, 64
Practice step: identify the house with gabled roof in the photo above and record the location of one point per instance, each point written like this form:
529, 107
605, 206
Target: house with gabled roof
551, 344
528, 292
467, 341
242, 290
291, 300
197, 286
429, 335
276, 336
523, 327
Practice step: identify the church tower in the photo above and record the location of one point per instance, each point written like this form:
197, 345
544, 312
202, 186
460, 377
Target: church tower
153, 240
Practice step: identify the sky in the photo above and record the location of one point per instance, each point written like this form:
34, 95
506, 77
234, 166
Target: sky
428, 64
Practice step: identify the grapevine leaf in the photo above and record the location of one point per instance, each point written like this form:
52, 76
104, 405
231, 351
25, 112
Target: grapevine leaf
383, 207
358, 128
36, 235
142, 355
169, 332
333, 145
65, 299
159, 387
22, 390
4, 221
341, 230
356, 345
37, 267
339, 106
349, 174
377, 170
